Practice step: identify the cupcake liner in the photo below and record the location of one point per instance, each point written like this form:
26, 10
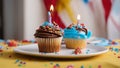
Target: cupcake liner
49, 44
74, 43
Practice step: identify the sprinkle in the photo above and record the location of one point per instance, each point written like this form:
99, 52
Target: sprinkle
113, 42
73, 52
82, 24
116, 50
90, 66
114, 53
86, 52
110, 40
21, 62
32, 41
18, 44
70, 26
24, 62
20, 65
1, 50
7, 48
82, 66
25, 41
57, 65
51, 63
1, 47
118, 56
35, 41
17, 61
45, 64
99, 66
54, 66
111, 49
44, 53
77, 51
56, 52
11, 43
1, 54
10, 56
70, 66
116, 43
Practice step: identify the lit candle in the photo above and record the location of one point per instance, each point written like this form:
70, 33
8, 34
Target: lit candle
78, 19
51, 8
50, 13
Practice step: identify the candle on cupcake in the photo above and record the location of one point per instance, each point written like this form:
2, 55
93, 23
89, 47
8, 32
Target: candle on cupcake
78, 19
50, 13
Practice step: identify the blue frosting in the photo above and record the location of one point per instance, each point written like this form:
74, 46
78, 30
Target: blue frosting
75, 34
47, 24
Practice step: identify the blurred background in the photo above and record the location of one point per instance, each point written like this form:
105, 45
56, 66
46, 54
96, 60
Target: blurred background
20, 18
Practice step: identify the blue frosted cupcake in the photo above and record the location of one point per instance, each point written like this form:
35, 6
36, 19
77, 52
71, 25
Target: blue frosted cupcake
75, 36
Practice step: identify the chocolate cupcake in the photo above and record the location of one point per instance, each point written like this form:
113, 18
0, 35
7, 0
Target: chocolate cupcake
49, 37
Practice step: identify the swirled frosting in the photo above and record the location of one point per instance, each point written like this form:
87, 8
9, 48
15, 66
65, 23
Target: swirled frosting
77, 32
48, 30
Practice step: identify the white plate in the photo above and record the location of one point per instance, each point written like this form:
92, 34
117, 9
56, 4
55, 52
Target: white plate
32, 50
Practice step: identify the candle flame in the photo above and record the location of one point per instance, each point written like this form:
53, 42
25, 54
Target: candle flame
78, 17
51, 8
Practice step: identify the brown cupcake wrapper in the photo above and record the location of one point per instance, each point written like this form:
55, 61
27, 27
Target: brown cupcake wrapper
49, 44
74, 43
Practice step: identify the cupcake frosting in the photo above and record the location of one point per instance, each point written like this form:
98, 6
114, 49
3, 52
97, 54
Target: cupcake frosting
48, 30
77, 32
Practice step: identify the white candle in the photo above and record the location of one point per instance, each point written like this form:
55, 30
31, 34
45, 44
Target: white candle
78, 19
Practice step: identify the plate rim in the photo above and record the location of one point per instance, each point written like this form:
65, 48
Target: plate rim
19, 51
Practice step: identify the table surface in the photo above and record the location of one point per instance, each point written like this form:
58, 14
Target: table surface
9, 59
